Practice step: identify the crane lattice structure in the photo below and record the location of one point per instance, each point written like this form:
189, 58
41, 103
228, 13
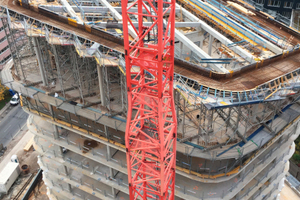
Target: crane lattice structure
151, 130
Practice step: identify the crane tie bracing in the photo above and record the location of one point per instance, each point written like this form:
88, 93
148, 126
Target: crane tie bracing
151, 130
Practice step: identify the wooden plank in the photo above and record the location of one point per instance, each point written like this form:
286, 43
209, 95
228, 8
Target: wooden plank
29, 144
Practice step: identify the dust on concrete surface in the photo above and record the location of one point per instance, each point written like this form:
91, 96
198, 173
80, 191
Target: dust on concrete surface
29, 158
288, 194
16, 187
14, 142
39, 193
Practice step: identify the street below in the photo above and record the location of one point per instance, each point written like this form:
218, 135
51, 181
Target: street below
11, 121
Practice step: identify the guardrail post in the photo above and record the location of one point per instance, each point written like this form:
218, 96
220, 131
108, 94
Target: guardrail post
231, 188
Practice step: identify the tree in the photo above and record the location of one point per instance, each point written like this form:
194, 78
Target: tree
296, 158
3, 90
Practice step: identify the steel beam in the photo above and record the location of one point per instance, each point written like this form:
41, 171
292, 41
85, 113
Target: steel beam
177, 24
71, 11
117, 16
198, 51
226, 118
37, 50
92, 9
101, 85
211, 38
238, 50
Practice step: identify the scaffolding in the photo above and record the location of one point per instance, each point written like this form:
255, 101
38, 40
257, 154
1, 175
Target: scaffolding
80, 85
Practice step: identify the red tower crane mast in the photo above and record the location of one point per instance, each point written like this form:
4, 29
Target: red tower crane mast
151, 129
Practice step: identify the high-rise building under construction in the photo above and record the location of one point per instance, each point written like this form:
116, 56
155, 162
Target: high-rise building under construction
236, 91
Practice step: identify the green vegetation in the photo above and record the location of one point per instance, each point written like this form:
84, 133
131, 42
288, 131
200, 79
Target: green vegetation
296, 157
4, 96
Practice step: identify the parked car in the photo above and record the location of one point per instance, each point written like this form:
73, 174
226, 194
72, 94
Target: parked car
15, 100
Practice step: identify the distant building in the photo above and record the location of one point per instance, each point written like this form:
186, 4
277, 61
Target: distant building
4, 48
283, 7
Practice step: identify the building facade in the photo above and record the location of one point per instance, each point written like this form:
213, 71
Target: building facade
235, 130
285, 9
4, 48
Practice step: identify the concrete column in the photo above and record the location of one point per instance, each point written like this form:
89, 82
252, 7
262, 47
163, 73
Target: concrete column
113, 191
55, 129
201, 44
201, 40
38, 53
181, 47
70, 188
65, 170
101, 85
111, 171
211, 39
292, 18
108, 152
50, 109
106, 131
254, 111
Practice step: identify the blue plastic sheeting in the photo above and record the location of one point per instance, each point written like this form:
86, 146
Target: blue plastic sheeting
192, 144
216, 106
242, 19
37, 89
234, 43
230, 22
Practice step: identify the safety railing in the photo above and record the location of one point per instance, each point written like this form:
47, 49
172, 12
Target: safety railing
33, 30
89, 182
195, 192
202, 91
274, 89
67, 141
256, 166
89, 169
254, 156
264, 178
